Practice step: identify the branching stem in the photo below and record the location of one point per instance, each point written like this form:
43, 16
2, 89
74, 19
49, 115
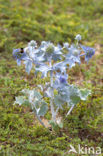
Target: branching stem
38, 117
52, 95
70, 110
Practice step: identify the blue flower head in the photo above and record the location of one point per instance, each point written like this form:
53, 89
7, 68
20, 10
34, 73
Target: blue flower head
61, 80
66, 45
19, 56
73, 56
50, 51
49, 48
78, 37
32, 43
89, 52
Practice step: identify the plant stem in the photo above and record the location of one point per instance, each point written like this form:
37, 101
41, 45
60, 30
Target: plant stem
57, 111
70, 110
38, 117
52, 95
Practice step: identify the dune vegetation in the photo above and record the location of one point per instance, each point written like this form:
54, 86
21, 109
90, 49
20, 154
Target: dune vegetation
56, 21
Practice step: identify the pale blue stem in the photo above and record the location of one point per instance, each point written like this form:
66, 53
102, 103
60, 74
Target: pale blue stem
52, 95
70, 110
38, 117
56, 111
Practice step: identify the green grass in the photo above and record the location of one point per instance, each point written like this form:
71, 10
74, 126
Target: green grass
58, 21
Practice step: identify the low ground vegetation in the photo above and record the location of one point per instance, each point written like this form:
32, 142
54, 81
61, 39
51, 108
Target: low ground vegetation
58, 21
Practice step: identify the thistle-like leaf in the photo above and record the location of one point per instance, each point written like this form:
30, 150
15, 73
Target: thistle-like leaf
84, 93
43, 68
28, 65
42, 109
58, 101
21, 100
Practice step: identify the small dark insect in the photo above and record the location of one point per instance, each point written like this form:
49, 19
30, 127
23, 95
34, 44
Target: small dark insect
21, 50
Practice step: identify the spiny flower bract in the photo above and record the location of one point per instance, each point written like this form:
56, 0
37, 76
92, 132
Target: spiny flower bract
89, 52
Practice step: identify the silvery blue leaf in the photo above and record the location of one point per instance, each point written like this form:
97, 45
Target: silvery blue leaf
40, 58
60, 47
60, 66
18, 62
34, 96
21, 100
74, 99
28, 65
43, 43
74, 50
37, 94
36, 104
70, 94
78, 37
58, 101
31, 96
43, 109
60, 124
43, 68
57, 51
83, 93
37, 110
73, 56
48, 92
69, 62
66, 45
30, 51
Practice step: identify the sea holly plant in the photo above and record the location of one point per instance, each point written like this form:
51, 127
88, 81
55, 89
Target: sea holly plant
53, 62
